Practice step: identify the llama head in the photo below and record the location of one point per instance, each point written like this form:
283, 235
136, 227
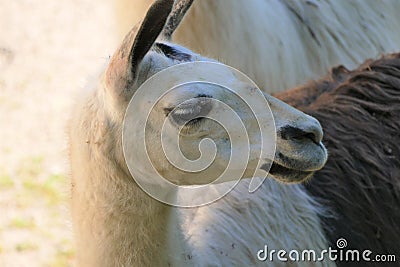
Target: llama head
184, 110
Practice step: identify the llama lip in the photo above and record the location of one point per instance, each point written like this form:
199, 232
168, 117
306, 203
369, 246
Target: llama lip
287, 175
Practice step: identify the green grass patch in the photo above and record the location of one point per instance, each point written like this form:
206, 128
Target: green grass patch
64, 256
23, 223
35, 182
26, 246
51, 188
30, 168
6, 181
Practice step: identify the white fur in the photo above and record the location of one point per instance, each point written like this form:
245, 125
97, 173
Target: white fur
231, 231
268, 42
117, 224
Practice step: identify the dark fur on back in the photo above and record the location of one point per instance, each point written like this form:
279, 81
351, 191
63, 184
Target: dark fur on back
360, 113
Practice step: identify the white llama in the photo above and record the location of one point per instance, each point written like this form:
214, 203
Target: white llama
282, 43
117, 224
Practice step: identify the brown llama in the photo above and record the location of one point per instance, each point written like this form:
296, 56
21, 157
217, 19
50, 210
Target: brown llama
360, 113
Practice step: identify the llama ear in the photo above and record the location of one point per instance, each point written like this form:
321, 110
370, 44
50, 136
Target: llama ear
176, 16
122, 69
150, 29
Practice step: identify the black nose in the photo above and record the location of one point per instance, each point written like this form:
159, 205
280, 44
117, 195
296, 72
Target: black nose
309, 132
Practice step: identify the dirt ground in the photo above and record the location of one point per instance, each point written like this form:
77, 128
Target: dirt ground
48, 50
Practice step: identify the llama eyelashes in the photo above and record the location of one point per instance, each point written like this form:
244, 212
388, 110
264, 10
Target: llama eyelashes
190, 112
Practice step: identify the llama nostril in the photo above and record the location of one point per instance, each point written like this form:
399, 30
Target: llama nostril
313, 133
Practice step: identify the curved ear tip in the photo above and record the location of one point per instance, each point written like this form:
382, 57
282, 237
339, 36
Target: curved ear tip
168, 4
163, 8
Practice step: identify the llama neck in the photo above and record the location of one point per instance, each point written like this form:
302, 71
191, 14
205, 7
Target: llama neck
122, 225
116, 223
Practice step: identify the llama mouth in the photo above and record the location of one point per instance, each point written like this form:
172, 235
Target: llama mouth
288, 175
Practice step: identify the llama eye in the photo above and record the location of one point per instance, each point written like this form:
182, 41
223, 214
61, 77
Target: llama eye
190, 112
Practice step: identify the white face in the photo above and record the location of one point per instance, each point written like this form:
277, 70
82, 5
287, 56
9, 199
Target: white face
184, 117
188, 116
183, 120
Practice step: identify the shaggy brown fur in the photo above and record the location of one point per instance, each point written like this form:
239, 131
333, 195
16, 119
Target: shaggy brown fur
360, 114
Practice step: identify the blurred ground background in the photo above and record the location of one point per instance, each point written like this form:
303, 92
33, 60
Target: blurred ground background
48, 49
